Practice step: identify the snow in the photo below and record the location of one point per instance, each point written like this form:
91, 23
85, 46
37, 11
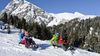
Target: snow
9, 47
29, 11
65, 17
91, 30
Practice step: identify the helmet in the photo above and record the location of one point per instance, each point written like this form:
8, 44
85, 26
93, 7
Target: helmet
57, 34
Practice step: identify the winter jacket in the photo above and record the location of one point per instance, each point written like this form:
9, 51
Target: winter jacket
61, 40
54, 40
24, 41
21, 35
66, 42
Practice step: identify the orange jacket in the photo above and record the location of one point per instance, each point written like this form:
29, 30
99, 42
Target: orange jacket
61, 41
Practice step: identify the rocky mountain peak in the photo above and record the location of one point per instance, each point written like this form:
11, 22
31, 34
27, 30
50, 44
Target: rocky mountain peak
28, 11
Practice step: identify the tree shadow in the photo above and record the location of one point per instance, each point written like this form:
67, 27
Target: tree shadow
6, 32
14, 32
3, 32
43, 46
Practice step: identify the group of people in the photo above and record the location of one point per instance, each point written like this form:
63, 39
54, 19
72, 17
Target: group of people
66, 42
59, 40
25, 39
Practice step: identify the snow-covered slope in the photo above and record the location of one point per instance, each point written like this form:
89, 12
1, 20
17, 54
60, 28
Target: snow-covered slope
9, 47
65, 17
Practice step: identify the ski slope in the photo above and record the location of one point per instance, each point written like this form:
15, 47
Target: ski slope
9, 47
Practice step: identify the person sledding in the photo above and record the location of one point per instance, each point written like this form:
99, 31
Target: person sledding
54, 40
66, 44
28, 41
21, 35
63, 43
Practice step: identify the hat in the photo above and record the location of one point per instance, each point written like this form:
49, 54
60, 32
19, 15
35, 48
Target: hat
26, 33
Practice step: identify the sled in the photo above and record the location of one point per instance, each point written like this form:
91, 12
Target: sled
21, 45
34, 47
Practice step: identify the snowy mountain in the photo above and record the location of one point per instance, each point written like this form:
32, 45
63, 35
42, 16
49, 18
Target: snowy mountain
28, 11
9, 47
31, 12
65, 17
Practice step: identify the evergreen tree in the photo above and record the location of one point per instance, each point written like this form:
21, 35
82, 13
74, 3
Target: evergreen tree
16, 20
11, 20
5, 18
23, 22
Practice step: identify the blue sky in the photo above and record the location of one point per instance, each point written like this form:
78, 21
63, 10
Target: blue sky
91, 7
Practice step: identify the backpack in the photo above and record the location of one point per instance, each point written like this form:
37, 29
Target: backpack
22, 35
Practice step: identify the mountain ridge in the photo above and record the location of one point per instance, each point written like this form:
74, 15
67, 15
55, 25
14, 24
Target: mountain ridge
66, 16
27, 10
31, 12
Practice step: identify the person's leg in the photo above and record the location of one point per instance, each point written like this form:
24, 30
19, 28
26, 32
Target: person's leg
35, 45
26, 43
59, 45
29, 41
54, 45
65, 47
33, 42
20, 42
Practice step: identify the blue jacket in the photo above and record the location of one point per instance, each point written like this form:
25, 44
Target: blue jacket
21, 35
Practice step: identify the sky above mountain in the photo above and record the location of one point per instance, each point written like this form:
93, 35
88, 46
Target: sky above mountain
59, 6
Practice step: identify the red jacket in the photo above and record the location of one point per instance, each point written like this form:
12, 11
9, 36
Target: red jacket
24, 42
61, 41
